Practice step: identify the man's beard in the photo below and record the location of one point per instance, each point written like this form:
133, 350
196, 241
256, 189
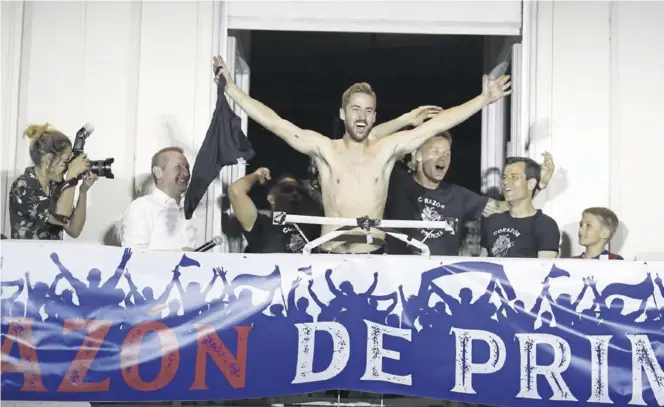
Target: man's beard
350, 129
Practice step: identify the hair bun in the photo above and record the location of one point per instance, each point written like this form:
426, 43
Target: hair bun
35, 131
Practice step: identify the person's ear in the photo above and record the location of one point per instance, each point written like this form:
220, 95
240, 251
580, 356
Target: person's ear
342, 114
157, 172
270, 199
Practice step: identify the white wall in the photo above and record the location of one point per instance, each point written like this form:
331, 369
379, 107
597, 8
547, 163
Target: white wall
395, 16
139, 71
598, 70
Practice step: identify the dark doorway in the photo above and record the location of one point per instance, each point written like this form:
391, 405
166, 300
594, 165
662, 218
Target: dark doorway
302, 75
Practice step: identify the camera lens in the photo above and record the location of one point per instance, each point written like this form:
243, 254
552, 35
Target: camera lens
102, 168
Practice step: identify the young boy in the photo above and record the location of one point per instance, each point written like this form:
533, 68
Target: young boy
597, 227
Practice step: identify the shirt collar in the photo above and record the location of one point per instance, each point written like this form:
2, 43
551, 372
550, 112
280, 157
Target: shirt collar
161, 197
604, 253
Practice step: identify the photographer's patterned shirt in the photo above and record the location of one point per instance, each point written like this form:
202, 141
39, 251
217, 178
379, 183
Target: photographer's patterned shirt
29, 209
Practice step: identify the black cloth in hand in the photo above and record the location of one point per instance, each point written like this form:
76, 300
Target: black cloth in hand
224, 144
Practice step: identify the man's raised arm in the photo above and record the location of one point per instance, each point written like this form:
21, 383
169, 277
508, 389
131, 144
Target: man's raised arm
413, 118
406, 141
305, 141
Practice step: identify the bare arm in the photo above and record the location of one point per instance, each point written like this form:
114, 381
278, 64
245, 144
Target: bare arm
305, 141
547, 254
65, 203
413, 118
238, 194
77, 221
407, 141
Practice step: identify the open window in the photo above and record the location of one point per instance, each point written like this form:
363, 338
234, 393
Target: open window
500, 121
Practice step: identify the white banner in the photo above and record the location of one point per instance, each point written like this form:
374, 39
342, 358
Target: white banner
95, 323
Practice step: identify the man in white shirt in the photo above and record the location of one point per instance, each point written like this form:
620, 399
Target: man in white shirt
156, 221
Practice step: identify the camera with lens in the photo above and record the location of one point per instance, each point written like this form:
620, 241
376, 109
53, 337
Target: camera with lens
100, 167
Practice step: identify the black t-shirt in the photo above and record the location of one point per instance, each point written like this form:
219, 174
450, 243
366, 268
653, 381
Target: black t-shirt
266, 237
505, 236
408, 200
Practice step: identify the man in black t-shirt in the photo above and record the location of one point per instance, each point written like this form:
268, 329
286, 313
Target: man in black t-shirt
285, 195
424, 195
523, 231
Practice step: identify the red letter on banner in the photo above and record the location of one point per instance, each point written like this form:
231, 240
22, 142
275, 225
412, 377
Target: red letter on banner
97, 331
233, 368
20, 330
129, 354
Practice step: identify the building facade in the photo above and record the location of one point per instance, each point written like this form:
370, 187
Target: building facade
589, 90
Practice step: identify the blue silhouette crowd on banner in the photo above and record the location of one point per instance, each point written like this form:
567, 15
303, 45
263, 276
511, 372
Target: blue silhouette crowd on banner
270, 354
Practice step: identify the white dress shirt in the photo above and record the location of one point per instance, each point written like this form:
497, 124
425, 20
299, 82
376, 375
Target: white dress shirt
157, 222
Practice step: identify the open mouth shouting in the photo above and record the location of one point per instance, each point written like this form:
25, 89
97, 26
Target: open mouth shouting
360, 126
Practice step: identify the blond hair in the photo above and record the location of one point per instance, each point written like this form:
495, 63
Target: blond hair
35, 131
411, 159
361, 87
45, 139
607, 218
159, 159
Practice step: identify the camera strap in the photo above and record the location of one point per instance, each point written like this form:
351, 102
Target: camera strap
56, 190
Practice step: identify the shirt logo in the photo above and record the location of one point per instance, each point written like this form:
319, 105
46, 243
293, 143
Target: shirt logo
430, 212
296, 242
502, 246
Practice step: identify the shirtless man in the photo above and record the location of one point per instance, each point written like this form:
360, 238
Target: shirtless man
355, 171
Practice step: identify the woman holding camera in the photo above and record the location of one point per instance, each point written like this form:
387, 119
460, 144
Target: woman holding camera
41, 200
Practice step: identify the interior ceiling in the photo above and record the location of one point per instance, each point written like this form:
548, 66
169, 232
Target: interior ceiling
284, 51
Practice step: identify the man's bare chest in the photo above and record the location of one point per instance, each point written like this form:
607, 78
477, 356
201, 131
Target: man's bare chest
359, 173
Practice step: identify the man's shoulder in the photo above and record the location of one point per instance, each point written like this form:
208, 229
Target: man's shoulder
141, 202
141, 206
543, 219
449, 188
400, 174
